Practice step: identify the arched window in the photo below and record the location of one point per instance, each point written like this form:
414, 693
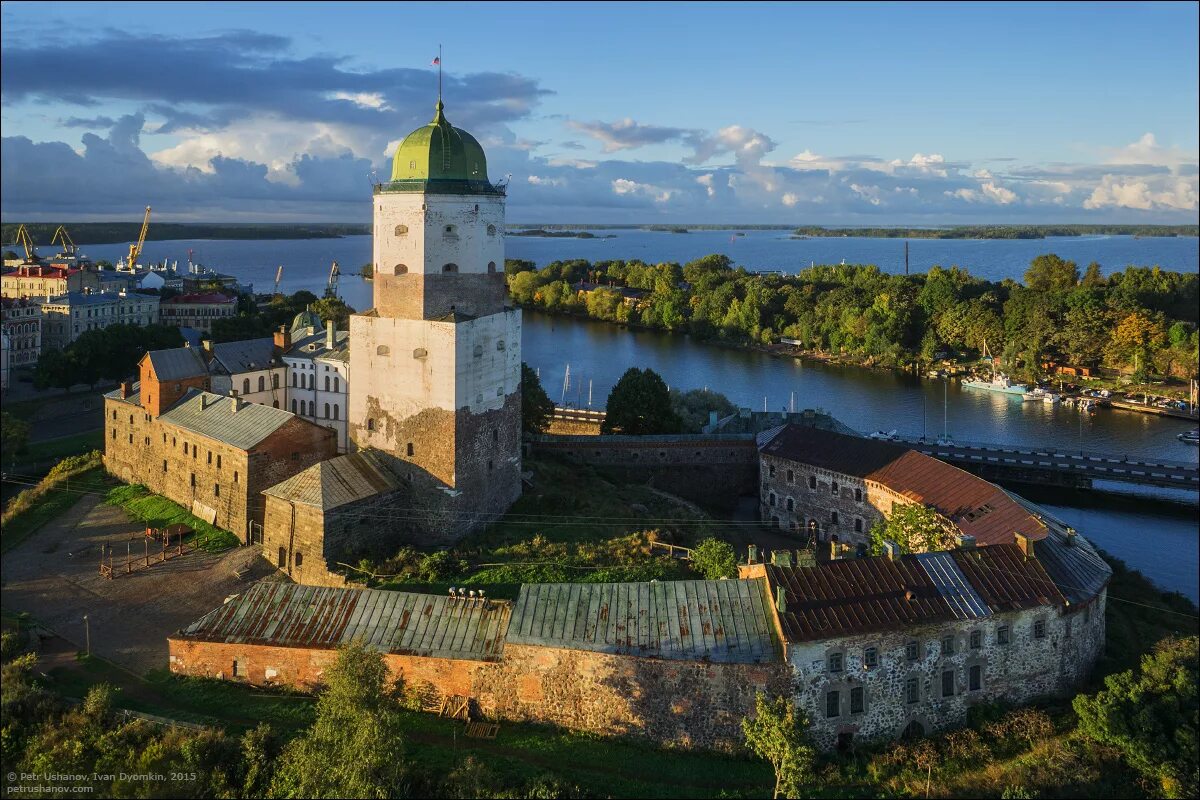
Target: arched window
293, 406
274, 380
327, 411
293, 380
401, 230
491, 230
400, 269
491, 266
275, 404
245, 386
791, 504
337, 384
771, 499
370, 424
262, 383
450, 268
335, 410
312, 411
327, 383
382, 350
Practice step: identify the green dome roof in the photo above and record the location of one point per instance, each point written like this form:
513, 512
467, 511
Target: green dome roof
306, 319
439, 152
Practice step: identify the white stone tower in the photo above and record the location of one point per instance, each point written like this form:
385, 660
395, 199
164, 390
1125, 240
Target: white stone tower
437, 361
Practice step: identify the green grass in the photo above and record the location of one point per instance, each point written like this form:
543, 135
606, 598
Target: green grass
46, 504
159, 512
61, 447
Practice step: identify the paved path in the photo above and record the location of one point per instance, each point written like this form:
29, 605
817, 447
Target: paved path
54, 575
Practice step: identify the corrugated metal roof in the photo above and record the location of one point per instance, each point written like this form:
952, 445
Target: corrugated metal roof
1006, 579
177, 363
338, 481
288, 615
724, 621
964, 602
1076, 569
979, 508
212, 415
314, 346
246, 355
861, 595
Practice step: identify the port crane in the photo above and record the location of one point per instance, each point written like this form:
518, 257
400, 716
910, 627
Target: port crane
26, 241
278, 278
62, 237
331, 286
135, 250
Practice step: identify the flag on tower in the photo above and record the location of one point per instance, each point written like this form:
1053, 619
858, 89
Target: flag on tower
436, 61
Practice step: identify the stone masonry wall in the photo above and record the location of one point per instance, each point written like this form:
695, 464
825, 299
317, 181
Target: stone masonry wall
1024, 668
683, 703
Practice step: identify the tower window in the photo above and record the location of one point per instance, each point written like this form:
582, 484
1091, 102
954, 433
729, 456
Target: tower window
401, 230
449, 231
411, 165
410, 448
382, 350
450, 268
491, 266
400, 269
491, 229
370, 424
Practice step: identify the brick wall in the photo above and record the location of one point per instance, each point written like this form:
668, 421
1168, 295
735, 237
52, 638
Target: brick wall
683, 703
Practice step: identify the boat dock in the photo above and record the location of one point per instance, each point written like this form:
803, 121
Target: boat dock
1147, 408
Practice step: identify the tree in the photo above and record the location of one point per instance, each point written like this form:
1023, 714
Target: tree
715, 559
640, 405
912, 527
14, 433
355, 747
536, 406
334, 308
1136, 340
693, 407
1050, 273
776, 734
1092, 277
1153, 716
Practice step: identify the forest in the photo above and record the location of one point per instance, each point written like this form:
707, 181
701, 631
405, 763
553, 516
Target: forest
1142, 321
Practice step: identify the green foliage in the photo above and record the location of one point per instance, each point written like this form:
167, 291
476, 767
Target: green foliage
639, 405
714, 559
776, 734
914, 528
159, 512
1152, 716
62, 488
439, 566
536, 406
334, 308
1049, 273
693, 407
355, 747
14, 433
109, 353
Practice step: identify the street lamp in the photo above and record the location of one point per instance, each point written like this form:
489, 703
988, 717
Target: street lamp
87, 631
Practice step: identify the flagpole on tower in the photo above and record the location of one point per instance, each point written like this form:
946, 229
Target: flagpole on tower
439, 73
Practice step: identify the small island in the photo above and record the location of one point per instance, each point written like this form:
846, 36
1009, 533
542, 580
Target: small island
560, 234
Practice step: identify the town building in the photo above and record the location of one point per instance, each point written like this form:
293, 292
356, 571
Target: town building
22, 325
46, 280
67, 316
212, 454
250, 369
827, 486
869, 648
197, 311
318, 366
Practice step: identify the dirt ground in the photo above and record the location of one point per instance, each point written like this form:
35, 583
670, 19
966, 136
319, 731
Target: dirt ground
54, 575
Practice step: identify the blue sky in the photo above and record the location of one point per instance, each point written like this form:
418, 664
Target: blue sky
828, 114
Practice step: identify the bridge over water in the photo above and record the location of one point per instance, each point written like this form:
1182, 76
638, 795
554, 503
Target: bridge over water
1058, 466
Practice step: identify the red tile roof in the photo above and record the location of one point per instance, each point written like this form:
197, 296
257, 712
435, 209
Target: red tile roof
979, 508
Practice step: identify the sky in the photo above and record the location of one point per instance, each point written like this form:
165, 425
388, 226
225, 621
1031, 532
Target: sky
830, 114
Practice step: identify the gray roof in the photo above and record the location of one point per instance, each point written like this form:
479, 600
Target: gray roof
726, 621
177, 363
338, 481
314, 346
964, 601
212, 415
246, 355
288, 615
82, 299
1076, 568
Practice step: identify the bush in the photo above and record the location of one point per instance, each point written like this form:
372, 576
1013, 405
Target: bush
715, 559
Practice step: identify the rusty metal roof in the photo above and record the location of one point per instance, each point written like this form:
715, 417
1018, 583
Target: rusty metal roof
979, 508
1006, 579
338, 481
288, 615
176, 363
1071, 561
725, 621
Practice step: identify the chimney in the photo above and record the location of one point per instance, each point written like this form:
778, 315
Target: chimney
235, 404
283, 340
206, 346
891, 549
781, 558
966, 541
1024, 543
781, 600
126, 389
330, 335
1070, 537
752, 557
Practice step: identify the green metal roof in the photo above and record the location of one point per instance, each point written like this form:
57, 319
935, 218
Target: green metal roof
439, 152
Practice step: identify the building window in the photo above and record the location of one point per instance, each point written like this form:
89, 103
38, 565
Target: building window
370, 424
976, 640
382, 350
262, 383
114, 434
871, 657
835, 662
1002, 635
193, 482
833, 487
327, 411
164, 465
858, 525
218, 460
401, 230
410, 448
293, 380
337, 387
832, 704
857, 698
282, 562
495, 434
812, 481
235, 477
770, 470
450, 268
912, 692
1039, 629
299, 558
335, 411
833, 517
791, 505
976, 673
948, 645
275, 380
912, 651
491, 266
237, 673
293, 406
771, 499
210, 456
858, 495
948, 683
245, 386
327, 383
491, 230
216, 490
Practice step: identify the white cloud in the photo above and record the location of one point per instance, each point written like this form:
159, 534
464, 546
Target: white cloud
575, 163
789, 199
537, 180
624, 186
1175, 193
707, 182
998, 193
373, 100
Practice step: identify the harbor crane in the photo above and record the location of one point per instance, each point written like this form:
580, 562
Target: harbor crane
331, 286
278, 278
135, 250
26, 241
62, 237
